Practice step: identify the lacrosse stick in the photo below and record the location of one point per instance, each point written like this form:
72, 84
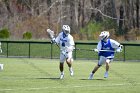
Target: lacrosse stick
95, 50
84, 49
50, 33
52, 36
64, 52
105, 51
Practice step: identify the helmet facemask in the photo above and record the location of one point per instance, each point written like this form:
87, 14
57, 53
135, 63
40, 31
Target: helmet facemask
66, 32
66, 29
104, 35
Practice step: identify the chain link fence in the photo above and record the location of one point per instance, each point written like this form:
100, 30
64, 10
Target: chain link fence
36, 49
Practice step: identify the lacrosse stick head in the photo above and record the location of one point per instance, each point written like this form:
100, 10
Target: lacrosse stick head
50, 33
66, 29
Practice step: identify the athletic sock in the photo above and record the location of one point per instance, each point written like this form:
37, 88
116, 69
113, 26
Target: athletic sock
71, 69
62, 73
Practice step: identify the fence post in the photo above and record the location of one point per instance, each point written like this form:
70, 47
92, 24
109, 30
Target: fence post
29, 50
51, 50
124, 54
75, 52
7, 49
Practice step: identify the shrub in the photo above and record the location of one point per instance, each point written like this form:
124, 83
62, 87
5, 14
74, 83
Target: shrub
133, 34
91, 30
109, 24
4, 33
27, 35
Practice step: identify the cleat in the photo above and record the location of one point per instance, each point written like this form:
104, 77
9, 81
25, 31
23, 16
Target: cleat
106, 75
90, 76
71, 72
61, 76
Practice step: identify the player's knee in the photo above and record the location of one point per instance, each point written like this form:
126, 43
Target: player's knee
108, 61
99, 65
61, 62
69, 60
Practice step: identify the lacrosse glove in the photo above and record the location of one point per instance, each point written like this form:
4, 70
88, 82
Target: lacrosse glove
53, 40
96, 50
119, 49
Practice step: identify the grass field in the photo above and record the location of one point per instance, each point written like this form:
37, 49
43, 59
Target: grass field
23, 75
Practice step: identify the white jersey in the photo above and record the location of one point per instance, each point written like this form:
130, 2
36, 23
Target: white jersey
64, 41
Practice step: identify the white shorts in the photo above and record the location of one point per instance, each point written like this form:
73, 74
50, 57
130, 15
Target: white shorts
63, 57
104, 60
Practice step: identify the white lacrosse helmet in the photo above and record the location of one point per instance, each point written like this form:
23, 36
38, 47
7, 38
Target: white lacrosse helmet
66, 29
104, 35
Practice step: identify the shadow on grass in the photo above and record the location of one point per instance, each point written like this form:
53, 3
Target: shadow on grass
93, 79
48, 78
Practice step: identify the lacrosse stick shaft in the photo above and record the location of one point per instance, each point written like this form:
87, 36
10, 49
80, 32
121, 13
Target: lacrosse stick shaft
51, 35
93, 50
84, 49
106, 51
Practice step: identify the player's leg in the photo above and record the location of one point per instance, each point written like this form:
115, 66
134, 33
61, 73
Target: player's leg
107, 67
107, 64
100, 63
61, 66
70, 68
69, 61
93, 71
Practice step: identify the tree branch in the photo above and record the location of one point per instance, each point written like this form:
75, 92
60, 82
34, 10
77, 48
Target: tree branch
50, 7
96, 9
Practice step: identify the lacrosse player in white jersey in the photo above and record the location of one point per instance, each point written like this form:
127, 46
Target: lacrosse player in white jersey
106, 49
66, 44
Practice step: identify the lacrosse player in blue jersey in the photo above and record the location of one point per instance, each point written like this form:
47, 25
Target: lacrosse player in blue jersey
106, 49
66, 44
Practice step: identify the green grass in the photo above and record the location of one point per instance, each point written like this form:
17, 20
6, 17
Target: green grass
21, 75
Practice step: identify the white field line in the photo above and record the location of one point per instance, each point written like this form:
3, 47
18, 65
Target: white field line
77, 86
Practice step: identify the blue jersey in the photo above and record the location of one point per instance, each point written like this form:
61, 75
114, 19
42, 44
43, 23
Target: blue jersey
106, 46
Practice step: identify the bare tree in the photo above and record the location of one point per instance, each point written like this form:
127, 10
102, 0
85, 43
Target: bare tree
76, 13
137, 13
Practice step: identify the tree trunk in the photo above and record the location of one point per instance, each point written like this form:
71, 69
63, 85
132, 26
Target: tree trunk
121, 21
72, 16
137, 13
113, 9
49, 12
8, 7
81, 15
